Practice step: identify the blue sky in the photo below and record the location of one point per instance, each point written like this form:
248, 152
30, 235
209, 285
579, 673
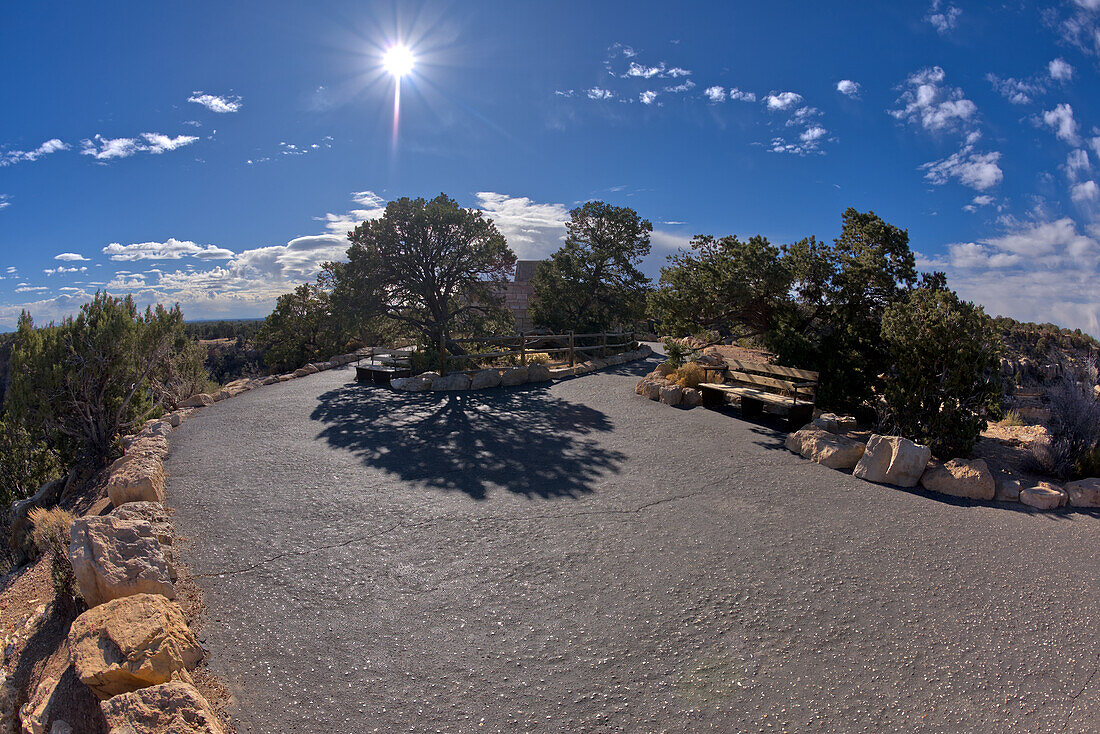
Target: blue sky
216, 153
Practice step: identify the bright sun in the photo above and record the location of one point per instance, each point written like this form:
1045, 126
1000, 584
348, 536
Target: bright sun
398, 60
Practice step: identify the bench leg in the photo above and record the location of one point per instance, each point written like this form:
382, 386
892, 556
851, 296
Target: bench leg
713, 398
799, 416
751, 408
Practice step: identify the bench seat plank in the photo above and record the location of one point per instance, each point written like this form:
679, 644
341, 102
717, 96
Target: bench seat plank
748, 392
772, 369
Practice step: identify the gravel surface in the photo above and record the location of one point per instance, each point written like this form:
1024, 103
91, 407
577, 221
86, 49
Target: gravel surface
573, 557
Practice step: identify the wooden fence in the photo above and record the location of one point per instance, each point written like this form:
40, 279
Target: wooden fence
523, 346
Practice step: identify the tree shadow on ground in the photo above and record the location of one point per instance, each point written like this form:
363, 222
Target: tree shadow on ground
524, 440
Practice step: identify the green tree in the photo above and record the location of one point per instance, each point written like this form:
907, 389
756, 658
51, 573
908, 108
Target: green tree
593, 283
430, 267
301, 329
84, 381
944, 368
26, 462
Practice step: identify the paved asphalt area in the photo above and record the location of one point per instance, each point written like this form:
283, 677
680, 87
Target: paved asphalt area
572, 557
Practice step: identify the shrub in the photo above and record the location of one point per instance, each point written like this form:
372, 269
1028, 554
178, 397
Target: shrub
51, 533
675, 352
944, 370
1074, 446
1013, 418
689, 375
25, 463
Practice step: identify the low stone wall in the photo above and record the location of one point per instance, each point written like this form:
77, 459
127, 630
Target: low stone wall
510, 376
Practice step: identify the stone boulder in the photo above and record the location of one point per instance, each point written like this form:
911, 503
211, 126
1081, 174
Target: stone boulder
411, 384
483, 379
173, 419
1008, 488
538, 373
169, 708
287, 377
131, 643
1084, 493
35, 713
156, 428
893, 460
113, 557
960, 478
153, 513
834, 423
136, 478
558, 373
691, 398
1043, 496
513, 376
154, 446
653, 389
270, 380
671, 394
825, 448
201, 400
456, 381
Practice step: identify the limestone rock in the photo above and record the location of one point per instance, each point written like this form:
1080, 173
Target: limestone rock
671, 394
893, 460
197, 401
825, 448
653, 389
270, 380
300, 372
484, 379
131, 643
221, 395
1008, 489
558, 373
153, 446
1084, 493
35, 712
113, 557
538, 373
168, 708
691, 398
153, 513
960, 478
834, 423
456, 381
136, 478
513, 376
1043, 496
173, 419
287, 377
411, 384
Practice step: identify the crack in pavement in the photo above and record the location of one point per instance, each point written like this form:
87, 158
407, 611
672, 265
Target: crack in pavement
424, 523
1077, 695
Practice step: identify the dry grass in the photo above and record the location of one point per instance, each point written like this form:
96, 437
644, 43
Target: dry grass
689, 375
51, 534
1013, 418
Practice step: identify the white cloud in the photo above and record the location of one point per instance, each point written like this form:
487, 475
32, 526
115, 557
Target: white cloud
715, 94
782, 101
978, 201
1086, 192
599, 93
216, 103
737, 94
686, 86
803, 115
1060, 70
533, 230
1077, 161
660, 70
934, 106
813, 134
1095, 144
976, 170
647, 97
105, 149
53, 145
4, 201
70, 257
61, 270
1016, 91
848, 88
170, 249
374, 206
1061, 120
943, 18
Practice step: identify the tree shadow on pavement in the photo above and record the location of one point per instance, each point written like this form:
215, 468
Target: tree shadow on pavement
524, 440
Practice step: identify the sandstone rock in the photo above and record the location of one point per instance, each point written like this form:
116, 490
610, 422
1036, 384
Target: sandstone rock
152, 446
130, 643
456, 381
671, 394
1008, 489
411, 384
322, 366
168, 708
113, 558
136, 478
429, 375
513, 376
300, 372
538, 373
558, 373
34, 713
197, 401
1084, 493
893, 460
691, 398
156, 428
153, 513
639, 389
653, 389
221, 395
834, 423
824, 447
173, 419
270, 380
484, 379
287, 377
1043, 496
310, 369
960, 478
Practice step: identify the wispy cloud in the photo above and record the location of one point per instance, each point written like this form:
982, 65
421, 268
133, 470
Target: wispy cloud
1060, 70
170, 249
925, 101
1060, 119
944, 18
977, 170
4, 201
70, 257
105, 149
533, 229
647, 97
217, 103
715, 94
661, 70
11, 157
61, 270
600, 93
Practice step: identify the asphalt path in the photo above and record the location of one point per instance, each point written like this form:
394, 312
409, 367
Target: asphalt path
573, 557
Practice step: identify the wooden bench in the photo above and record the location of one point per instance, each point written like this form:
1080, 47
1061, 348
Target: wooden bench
758, 384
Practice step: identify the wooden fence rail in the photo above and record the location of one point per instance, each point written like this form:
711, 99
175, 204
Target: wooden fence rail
527, 344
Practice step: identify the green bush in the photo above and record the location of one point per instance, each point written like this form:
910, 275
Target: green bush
1073, 451
51, 535
944, 370
26, 463
675, 352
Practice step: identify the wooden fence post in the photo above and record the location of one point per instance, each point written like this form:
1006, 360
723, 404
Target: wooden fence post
603, 344
522, 350
572, 356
